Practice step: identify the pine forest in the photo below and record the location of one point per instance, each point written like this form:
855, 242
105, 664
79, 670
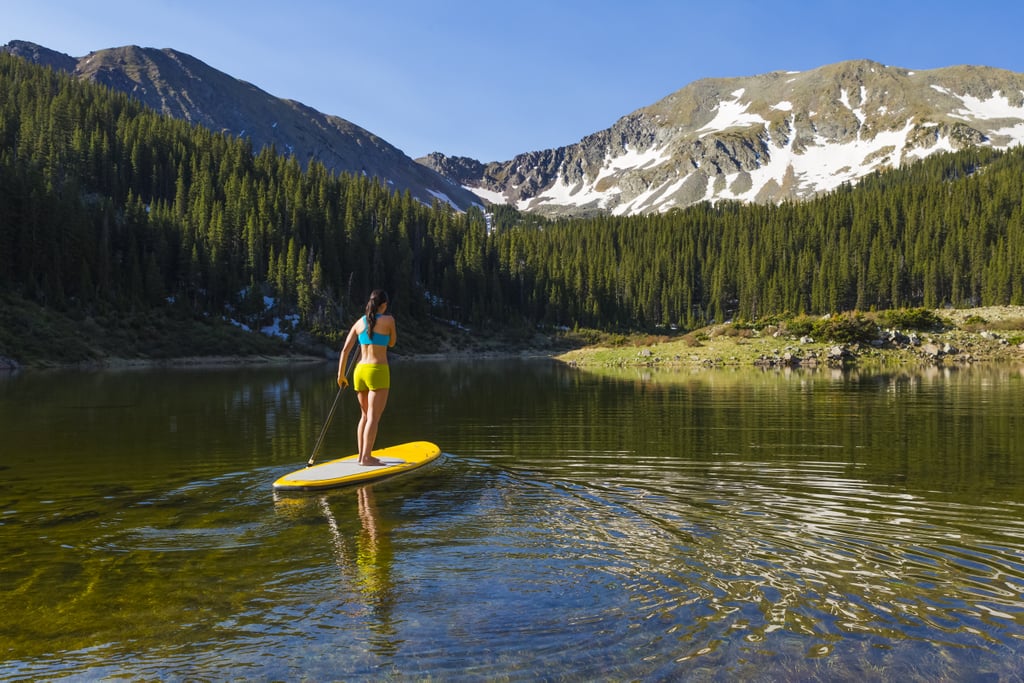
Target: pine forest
108, 206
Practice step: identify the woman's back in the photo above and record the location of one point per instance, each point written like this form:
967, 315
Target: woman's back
374, 346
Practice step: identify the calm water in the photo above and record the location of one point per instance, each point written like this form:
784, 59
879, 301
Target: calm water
719, 525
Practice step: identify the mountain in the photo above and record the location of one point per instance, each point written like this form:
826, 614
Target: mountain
182, 86
768, 138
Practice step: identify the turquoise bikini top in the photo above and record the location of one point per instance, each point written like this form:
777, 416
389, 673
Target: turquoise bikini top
377, 339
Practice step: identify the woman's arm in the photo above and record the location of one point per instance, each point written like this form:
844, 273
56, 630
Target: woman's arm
350, 341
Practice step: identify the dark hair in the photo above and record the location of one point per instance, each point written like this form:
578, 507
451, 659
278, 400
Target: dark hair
377, 297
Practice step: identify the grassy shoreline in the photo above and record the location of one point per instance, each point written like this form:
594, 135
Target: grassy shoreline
958, 337
966, 336
33, 337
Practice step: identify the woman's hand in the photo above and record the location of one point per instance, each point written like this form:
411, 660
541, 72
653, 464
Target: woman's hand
342, 381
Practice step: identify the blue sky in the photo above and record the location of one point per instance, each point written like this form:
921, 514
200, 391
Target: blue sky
490, 80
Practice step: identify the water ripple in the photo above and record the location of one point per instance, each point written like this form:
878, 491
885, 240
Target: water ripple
766, 549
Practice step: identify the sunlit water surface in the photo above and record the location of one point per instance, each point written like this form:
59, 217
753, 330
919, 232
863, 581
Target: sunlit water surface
717, 525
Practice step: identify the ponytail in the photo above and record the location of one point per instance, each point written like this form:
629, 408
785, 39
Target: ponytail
377, 297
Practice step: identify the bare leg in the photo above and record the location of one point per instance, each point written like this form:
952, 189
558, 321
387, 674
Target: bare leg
364, 403
373, 407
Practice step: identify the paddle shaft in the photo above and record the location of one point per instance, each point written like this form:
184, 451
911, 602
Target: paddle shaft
323, 432
327, 423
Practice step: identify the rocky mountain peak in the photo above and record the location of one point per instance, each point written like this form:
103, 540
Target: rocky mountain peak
764, 138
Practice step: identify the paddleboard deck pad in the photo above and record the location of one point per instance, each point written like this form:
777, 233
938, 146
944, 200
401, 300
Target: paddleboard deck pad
347, 471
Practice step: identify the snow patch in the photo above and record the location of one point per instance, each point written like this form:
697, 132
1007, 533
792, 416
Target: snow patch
844, 97
443, 197
647, 200
731, 114
583, 193
822, 167
576, 194
996, 107
487, 195
281, 327
630, 159
1015, 132
942, 144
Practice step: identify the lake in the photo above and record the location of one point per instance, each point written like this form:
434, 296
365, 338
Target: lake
711, 525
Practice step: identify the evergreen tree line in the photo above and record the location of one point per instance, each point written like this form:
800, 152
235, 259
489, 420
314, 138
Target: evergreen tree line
105, 204
946, 231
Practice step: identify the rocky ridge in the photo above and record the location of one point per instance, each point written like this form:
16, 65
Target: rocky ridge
767, 138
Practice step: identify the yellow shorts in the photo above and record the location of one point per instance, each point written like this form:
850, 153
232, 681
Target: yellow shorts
371, 377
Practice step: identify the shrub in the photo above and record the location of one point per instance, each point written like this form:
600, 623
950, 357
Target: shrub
774, 320
692, 339
911, 319
741, 332
845, 328
800, 326
650, 340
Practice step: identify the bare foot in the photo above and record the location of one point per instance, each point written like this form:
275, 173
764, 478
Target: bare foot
372, 462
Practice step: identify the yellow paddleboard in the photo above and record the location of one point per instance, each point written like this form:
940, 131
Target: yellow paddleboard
347, 471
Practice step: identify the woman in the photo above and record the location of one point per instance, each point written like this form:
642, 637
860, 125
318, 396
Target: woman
376, 333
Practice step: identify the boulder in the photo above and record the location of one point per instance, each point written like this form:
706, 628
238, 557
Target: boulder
838, 352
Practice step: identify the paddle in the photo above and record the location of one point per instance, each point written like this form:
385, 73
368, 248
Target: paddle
323, 432
327, 422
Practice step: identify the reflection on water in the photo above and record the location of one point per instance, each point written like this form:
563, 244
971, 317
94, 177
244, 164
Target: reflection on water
714, 525
367, 565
